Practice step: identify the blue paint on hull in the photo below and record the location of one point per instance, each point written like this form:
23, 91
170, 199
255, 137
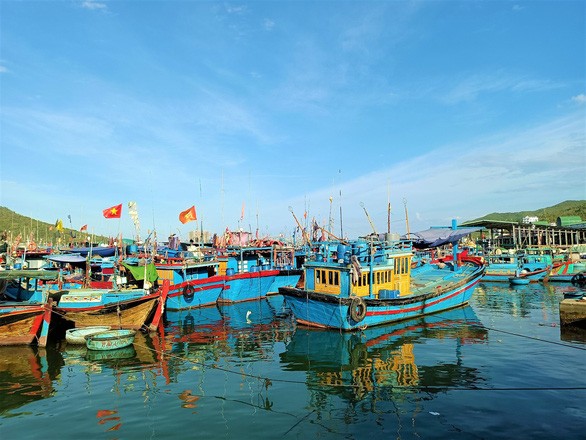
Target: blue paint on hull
247, 286
332, 314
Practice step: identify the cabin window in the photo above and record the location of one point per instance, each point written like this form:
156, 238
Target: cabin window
317, 277
336, 278
378, 278
330, 277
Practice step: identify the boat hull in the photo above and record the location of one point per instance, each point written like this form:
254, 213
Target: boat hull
25, 324
328, 311
193, 294
247, 286
143, 312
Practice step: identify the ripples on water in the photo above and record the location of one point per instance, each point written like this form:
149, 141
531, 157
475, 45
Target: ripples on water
499, 368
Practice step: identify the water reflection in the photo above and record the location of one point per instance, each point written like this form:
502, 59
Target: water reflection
26, 375
383, 360
227, 334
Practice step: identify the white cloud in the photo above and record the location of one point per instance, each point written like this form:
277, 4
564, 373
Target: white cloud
580, 99
268, 24
93, 5
3, 69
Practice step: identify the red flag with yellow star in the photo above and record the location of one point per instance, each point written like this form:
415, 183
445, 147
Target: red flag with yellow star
113, 212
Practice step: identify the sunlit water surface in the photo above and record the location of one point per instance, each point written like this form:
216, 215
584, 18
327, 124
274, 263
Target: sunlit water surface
499, 368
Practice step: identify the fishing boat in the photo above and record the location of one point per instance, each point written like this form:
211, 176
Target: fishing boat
25, 311
533, 263
371, 283
193, 277
135, 308
110, 339
567, 271
77, 335
248, 275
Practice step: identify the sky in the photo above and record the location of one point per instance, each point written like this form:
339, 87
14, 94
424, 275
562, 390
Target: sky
263, 114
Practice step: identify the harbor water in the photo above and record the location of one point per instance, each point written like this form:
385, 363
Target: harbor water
499, 368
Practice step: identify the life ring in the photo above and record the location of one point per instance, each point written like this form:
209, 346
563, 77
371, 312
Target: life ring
188, 294
579, 279
357, 309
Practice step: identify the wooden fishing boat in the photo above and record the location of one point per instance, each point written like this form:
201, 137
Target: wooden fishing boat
371, 283
77, 335
22, 324
128, 308
110, 339
25, 311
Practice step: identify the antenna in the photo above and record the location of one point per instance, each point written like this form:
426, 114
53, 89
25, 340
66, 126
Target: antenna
369, 219
389, 207
406, 217
305, 236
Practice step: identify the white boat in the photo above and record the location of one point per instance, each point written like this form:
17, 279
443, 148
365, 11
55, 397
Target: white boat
77, 335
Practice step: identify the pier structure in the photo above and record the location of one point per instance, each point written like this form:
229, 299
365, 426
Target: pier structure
573, 312
515, 235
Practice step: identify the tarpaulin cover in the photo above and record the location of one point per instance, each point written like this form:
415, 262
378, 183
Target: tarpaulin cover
138, 272
434, 237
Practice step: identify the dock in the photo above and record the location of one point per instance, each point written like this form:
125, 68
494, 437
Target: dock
573, 312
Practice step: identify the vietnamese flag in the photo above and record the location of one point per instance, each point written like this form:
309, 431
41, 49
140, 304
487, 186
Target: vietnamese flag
188, 215
83, 228
113, 212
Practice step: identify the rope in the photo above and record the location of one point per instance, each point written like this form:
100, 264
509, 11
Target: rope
411, 388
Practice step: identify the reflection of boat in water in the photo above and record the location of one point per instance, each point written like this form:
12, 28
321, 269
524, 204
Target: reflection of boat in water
107, 355
26, 375
355, 364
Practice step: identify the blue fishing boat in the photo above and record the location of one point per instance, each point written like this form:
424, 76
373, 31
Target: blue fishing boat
110, 339
249, 273
373, 284
103, 251
533, 263
193, 277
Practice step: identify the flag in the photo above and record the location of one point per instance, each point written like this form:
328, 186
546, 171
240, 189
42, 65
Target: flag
113, 212
59, 225
242, 212
83, 228
188, 215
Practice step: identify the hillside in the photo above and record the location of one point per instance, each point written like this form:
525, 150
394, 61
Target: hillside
549, 214
12, 224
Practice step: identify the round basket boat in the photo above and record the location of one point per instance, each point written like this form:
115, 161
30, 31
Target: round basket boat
518, 281
77, 335
110, 339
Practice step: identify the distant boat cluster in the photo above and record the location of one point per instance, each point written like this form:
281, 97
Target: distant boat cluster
104, 294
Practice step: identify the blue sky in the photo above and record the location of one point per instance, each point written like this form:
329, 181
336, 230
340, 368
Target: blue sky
454, 109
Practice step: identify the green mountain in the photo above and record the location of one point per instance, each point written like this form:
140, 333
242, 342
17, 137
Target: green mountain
13, 224
549, 214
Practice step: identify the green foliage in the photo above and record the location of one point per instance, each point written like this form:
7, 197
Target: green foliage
43, 233
550, 214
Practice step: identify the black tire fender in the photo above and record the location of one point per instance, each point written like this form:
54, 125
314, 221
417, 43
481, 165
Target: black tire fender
357, 309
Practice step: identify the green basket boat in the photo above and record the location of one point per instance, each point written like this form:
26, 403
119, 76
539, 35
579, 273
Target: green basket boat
110, 340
